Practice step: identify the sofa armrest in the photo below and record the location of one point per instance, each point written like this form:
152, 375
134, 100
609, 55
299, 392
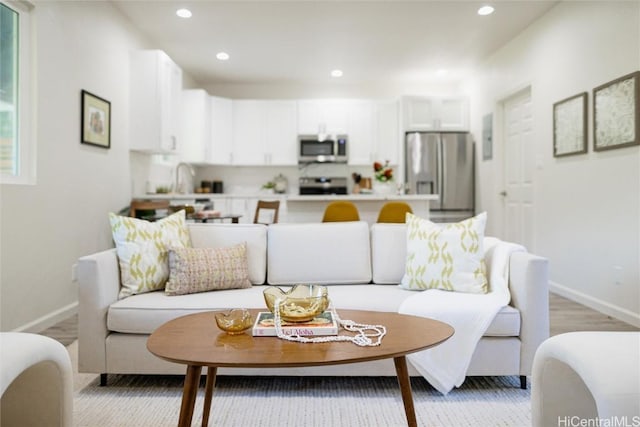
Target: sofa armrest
98, 287
529, 286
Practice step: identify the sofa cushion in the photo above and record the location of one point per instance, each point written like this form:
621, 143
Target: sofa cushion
224, 235
447, 257
193, 270
144, 313
388, 252
323, 253
142, 249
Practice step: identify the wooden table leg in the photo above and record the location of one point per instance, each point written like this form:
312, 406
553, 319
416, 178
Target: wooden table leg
189, 393
405, 389
208, 394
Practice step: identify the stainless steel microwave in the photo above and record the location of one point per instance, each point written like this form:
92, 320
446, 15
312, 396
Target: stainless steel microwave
332, 149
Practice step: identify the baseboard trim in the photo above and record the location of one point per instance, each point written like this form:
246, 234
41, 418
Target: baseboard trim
49, 320
602, 306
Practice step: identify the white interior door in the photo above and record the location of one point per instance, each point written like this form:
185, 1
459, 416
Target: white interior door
518, 168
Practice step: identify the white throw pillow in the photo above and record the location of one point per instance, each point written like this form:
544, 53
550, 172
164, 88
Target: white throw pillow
448, 257
142, 248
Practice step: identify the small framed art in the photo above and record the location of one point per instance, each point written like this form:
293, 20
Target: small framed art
616, 113
96, 120
570, 126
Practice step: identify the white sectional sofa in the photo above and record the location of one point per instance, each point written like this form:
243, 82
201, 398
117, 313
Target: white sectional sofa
361, 265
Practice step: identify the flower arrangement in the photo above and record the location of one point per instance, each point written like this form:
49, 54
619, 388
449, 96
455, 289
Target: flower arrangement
383, 173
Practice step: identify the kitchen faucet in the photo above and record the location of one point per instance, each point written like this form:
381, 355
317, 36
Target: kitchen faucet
179, 188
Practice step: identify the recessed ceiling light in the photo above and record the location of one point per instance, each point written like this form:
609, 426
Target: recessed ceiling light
336, 73
485, 10
183, 13
222, 56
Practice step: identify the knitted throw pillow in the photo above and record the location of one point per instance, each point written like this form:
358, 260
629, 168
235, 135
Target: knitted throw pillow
194, 270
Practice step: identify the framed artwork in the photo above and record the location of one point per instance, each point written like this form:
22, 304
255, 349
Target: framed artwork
616, 113
96, 120
570, 126
487, 137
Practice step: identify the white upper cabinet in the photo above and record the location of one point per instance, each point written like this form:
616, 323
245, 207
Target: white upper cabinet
156, 94
373, 132
323, 116
388, 134
264, 133
220, 149
361, 132
436, 113
281, 132
196, 126
249, 145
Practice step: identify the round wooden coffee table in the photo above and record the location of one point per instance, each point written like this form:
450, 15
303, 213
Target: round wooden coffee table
194, 340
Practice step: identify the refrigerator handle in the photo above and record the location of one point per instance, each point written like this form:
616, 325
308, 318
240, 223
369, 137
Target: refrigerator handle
441, 174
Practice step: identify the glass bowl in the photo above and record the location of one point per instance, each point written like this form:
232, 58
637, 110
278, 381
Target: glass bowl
235, 322
300, 304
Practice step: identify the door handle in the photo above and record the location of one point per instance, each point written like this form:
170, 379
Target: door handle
503, 193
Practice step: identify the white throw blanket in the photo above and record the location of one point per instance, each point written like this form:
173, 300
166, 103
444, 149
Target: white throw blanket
445, 365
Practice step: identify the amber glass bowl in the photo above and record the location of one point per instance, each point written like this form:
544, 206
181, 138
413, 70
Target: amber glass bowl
299, 304
235, 321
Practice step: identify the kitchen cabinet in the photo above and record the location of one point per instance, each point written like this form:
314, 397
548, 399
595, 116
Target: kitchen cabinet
220, 149
436, 113
196, 126
281, 133
323, 116
361, 131
373, 132
155, 103
264, 133
388, 135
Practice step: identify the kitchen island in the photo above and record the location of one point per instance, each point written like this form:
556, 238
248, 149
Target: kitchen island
298, 208
311, 208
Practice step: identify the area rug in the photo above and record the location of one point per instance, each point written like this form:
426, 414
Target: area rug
151, 400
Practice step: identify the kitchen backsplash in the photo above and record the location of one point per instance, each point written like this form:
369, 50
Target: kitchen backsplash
151, 171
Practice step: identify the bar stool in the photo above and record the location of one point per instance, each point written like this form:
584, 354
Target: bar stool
394, 212
340, 211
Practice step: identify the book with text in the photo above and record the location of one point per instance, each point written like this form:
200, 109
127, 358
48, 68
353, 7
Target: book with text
323, 324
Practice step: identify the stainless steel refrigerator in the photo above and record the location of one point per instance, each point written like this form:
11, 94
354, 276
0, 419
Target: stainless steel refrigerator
443, 164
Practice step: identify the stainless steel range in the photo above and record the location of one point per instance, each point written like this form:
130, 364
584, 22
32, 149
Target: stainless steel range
322, 185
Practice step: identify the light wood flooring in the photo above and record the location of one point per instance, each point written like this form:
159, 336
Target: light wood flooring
564, 316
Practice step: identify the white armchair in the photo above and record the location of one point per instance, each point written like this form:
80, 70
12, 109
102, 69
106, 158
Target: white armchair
36, 381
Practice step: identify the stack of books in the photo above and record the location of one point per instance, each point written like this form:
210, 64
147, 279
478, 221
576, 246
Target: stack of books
322, 325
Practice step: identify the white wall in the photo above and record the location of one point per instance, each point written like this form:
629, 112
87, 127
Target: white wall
46, 227
587, 207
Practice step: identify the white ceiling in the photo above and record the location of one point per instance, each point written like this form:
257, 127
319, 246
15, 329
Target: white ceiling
300, 42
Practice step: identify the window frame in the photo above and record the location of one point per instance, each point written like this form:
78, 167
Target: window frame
26, 151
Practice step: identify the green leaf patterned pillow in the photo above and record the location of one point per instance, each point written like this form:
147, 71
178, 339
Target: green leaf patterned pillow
142, 248
448, 257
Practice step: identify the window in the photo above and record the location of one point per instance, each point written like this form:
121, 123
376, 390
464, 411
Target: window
17, 147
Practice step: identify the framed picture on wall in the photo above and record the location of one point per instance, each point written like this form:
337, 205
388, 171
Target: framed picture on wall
570, 126
96, 120
616, 113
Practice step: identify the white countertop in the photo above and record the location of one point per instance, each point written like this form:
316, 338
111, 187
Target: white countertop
291, 197
361, 197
